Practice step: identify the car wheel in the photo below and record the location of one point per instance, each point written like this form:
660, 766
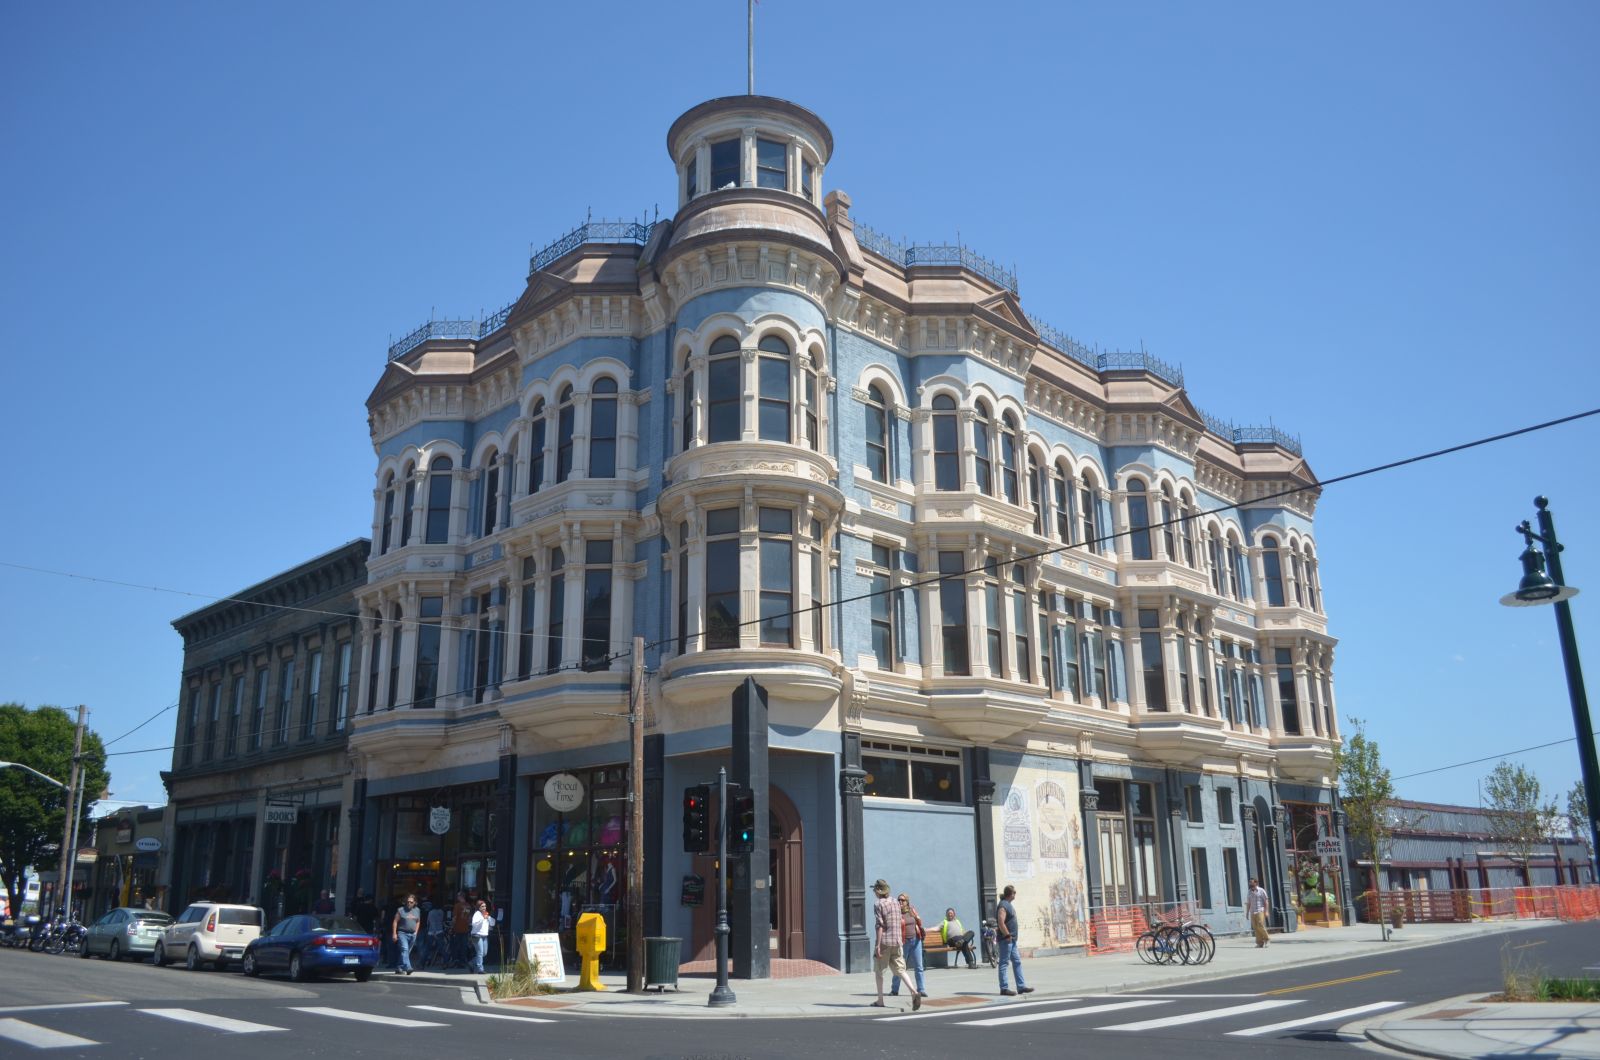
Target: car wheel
191, 960
249, 966
296, 971
115, 953
83, 950
160, 955
363, 974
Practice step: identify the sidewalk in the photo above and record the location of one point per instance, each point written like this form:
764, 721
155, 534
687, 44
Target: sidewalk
1426, 1030
1463, 1027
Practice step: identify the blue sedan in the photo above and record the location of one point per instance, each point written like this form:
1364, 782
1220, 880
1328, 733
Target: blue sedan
306, 945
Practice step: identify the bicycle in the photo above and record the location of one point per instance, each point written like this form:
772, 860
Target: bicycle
1183, 943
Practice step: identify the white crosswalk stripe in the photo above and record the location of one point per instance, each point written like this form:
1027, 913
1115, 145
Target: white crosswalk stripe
205, 1019
25, 1033
69, 1004
1034, 1017
367, 1017
483, 1015
1197, 1017
1326, 1017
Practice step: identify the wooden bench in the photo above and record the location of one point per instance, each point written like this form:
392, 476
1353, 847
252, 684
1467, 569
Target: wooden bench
936, 954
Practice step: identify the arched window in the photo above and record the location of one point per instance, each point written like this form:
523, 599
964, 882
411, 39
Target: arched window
1215, 557
536, 448
408, 502
1009, 457
772, 384
564, 426
946, 444
529, 615
388, 513
1037, 490
1272, 570
1296, 577
723, 386
603, 429
1313, 590
1187, 512
982, 444
436, 531
1139, 519
1087, 509
1062, 480
1238, 573
686, 407
877, 434
491, 491
811, 395
1167, 513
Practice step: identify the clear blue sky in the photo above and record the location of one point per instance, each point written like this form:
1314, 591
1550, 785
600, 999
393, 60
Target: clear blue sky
1373, 224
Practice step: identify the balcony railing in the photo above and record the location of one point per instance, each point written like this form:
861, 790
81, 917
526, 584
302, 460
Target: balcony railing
592, 232
935, 254
452, 329
1239, 435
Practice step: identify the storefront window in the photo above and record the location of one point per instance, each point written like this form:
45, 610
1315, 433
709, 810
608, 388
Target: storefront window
579, 862
414, 858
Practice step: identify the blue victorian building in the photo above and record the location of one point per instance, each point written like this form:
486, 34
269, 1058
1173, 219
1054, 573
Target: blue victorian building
1024, 614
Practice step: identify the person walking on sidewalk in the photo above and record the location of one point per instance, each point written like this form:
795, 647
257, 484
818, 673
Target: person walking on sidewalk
407, 919
952, 934
912, 933
481, 923
1005, 915
888, 939
1256, 906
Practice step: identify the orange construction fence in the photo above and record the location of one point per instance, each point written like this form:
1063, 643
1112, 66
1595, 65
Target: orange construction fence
1566, 902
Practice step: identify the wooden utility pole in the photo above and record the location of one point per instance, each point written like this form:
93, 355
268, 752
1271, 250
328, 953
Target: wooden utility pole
69, 856
636, 821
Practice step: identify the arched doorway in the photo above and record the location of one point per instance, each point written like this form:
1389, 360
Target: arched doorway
785, 882
786, 875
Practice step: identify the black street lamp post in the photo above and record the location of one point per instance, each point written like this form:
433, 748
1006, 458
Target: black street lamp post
1537, 587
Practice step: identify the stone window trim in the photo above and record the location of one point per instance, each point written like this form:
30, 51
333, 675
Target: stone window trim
690, 383
690, 620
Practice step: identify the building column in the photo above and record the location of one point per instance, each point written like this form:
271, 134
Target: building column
622, 595
351, 843
857, 956
983, 829
258, 853
1089, 806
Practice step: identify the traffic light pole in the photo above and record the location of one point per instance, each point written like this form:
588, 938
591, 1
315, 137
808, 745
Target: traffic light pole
722, 994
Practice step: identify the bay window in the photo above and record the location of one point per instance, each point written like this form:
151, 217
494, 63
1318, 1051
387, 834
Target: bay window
953, 613
723, 389
776, 529
722, 578
772, 375
597, 559
946, 444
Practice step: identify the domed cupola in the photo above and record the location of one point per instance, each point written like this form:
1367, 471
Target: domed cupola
751, 163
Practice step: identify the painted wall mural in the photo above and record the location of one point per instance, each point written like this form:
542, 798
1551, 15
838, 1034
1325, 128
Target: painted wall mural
1039, 840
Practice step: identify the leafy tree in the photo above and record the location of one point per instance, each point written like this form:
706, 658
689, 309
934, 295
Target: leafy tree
1519, 815
1365, 791
1578, 815
32, 812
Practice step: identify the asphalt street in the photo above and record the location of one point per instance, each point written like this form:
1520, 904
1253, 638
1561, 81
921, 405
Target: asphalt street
65, 1007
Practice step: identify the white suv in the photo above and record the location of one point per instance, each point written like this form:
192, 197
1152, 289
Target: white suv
209, 933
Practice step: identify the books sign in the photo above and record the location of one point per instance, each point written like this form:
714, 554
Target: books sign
282, 814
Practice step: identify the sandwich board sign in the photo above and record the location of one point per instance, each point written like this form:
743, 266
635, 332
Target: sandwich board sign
545, 949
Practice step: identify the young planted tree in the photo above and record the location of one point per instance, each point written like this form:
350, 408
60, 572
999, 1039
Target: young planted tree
1519, 815
1578, 816
1365, 791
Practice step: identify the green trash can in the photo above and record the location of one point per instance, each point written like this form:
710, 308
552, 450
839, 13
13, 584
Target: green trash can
661, 963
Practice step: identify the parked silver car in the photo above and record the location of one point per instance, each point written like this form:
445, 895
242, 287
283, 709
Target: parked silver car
124, 932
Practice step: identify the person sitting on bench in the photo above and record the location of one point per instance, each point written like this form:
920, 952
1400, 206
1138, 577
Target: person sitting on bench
953, 935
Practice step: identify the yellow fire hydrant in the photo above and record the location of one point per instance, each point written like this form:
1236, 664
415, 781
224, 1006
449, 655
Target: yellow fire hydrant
591, 937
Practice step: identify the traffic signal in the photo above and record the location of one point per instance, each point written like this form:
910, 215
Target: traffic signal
742, 825
696, 818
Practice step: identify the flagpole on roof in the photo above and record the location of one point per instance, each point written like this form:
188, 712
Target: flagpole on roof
750, 46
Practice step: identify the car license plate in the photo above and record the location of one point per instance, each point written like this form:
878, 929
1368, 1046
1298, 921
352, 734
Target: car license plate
352, 960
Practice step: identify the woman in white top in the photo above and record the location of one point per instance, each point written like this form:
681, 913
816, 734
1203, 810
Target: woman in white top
481, 923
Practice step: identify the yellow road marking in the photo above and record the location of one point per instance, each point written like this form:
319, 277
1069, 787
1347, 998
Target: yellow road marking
1329, 982
1526, 945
